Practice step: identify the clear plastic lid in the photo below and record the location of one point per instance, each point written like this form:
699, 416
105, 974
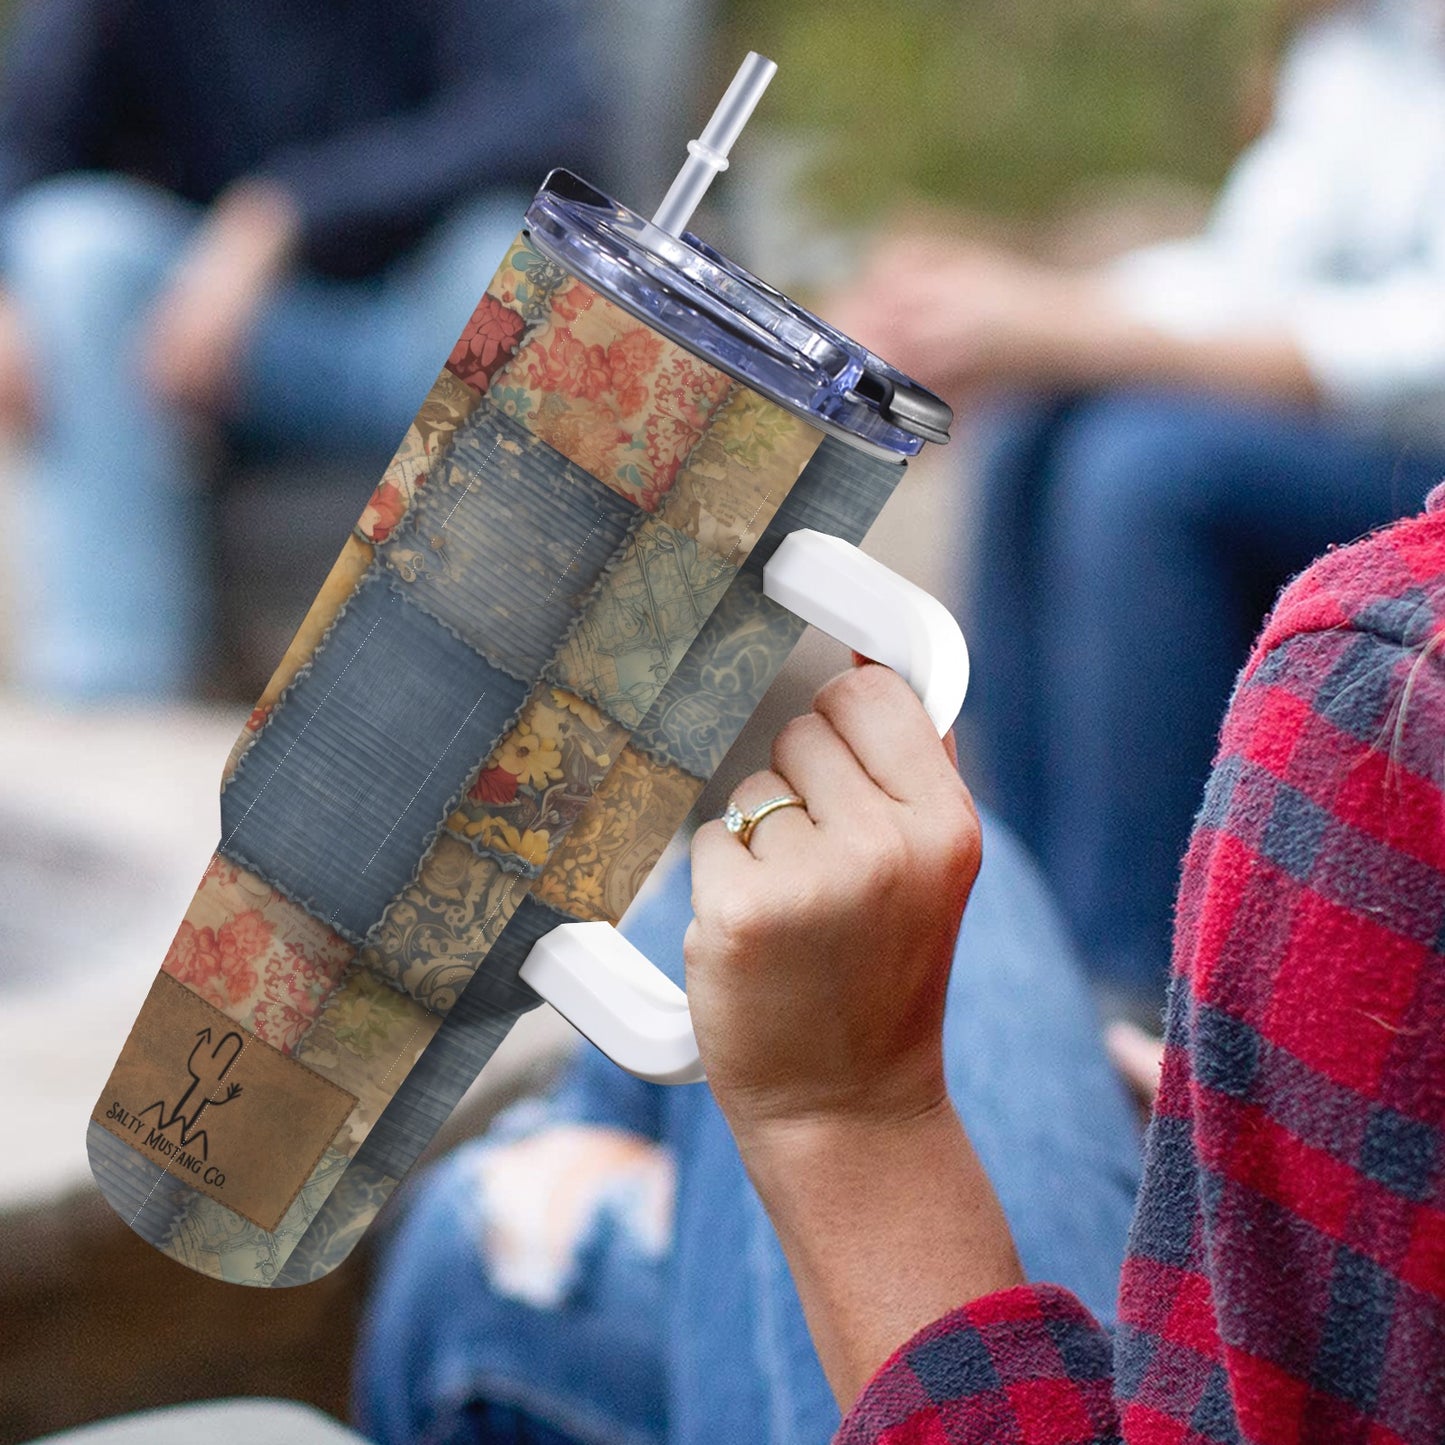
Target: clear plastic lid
697, 297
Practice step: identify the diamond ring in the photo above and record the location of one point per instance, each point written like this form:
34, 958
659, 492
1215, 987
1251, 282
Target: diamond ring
741, 824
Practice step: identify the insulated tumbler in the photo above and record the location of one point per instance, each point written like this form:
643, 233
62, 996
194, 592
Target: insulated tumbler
640, 473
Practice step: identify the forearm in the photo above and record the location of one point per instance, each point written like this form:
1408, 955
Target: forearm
886, 1227
246, 244
1101, 345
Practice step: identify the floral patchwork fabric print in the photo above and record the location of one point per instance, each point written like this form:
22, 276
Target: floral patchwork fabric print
597, 869
525, 283
679, 562
716, 687
503, 541
255, 955
610, 393
712, 692
365, 1040
449, 403
840, 491
528, 792
433, 937
637, 629
517, 806
515, 299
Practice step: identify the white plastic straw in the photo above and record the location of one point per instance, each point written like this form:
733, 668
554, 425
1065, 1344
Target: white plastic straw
708, 155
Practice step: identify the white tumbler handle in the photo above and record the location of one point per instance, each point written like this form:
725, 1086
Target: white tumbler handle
598, 980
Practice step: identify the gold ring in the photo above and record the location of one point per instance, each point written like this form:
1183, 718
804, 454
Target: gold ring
741, 824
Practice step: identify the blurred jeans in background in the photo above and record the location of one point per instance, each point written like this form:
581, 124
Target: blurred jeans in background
115, 510
1133, 542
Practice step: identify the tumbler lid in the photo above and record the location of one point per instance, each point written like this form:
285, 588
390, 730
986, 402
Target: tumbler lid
694, 295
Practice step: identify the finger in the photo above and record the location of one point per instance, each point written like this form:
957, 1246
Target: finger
881, 719
784, 831
824, 770
950, 741
1138, 1056
722, 872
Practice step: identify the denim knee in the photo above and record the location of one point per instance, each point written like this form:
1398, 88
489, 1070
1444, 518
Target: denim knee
90, 246
1131, 462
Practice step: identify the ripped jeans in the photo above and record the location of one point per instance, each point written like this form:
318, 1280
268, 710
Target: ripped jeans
599, 1271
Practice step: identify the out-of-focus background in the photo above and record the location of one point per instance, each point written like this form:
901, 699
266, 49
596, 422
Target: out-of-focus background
1069, 129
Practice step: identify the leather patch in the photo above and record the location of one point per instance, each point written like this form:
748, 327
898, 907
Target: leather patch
224, 1112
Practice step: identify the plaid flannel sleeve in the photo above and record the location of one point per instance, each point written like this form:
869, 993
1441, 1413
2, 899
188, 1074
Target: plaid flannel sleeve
1025, 1365
1293, 1286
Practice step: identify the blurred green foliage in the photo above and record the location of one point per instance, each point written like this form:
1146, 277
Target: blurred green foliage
1010, 105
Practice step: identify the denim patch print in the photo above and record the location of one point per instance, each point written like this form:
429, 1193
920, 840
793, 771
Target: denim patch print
346, 572
342, 792
504, 540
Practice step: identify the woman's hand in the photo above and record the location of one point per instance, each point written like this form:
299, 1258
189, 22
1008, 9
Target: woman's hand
819, 956
19, 401
817, 966
965, 316
200, 324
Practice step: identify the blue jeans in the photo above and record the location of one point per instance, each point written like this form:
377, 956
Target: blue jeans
638, 1339
1131, 544
114, 595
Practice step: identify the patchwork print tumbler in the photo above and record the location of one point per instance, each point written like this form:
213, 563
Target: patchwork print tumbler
639, 473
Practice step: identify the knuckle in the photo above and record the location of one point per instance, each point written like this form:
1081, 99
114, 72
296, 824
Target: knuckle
956, 839
794, 735
873, 681
733, 921
693, 944
889, 848
790, 732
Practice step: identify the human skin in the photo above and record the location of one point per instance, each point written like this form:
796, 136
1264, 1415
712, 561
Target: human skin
964, 317
817, 965
197, 329
192, 340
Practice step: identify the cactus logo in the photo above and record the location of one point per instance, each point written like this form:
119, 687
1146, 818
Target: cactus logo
207, 1089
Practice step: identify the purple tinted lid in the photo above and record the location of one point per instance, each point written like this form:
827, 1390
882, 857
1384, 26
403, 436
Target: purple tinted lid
693, 294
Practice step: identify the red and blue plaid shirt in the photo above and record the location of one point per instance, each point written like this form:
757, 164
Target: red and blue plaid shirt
1286, 1272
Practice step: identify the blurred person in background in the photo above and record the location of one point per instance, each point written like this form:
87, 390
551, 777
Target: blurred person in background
266, 222
1166, 440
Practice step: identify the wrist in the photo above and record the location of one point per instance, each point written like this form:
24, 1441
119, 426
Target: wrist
787, 1154
887, 1224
